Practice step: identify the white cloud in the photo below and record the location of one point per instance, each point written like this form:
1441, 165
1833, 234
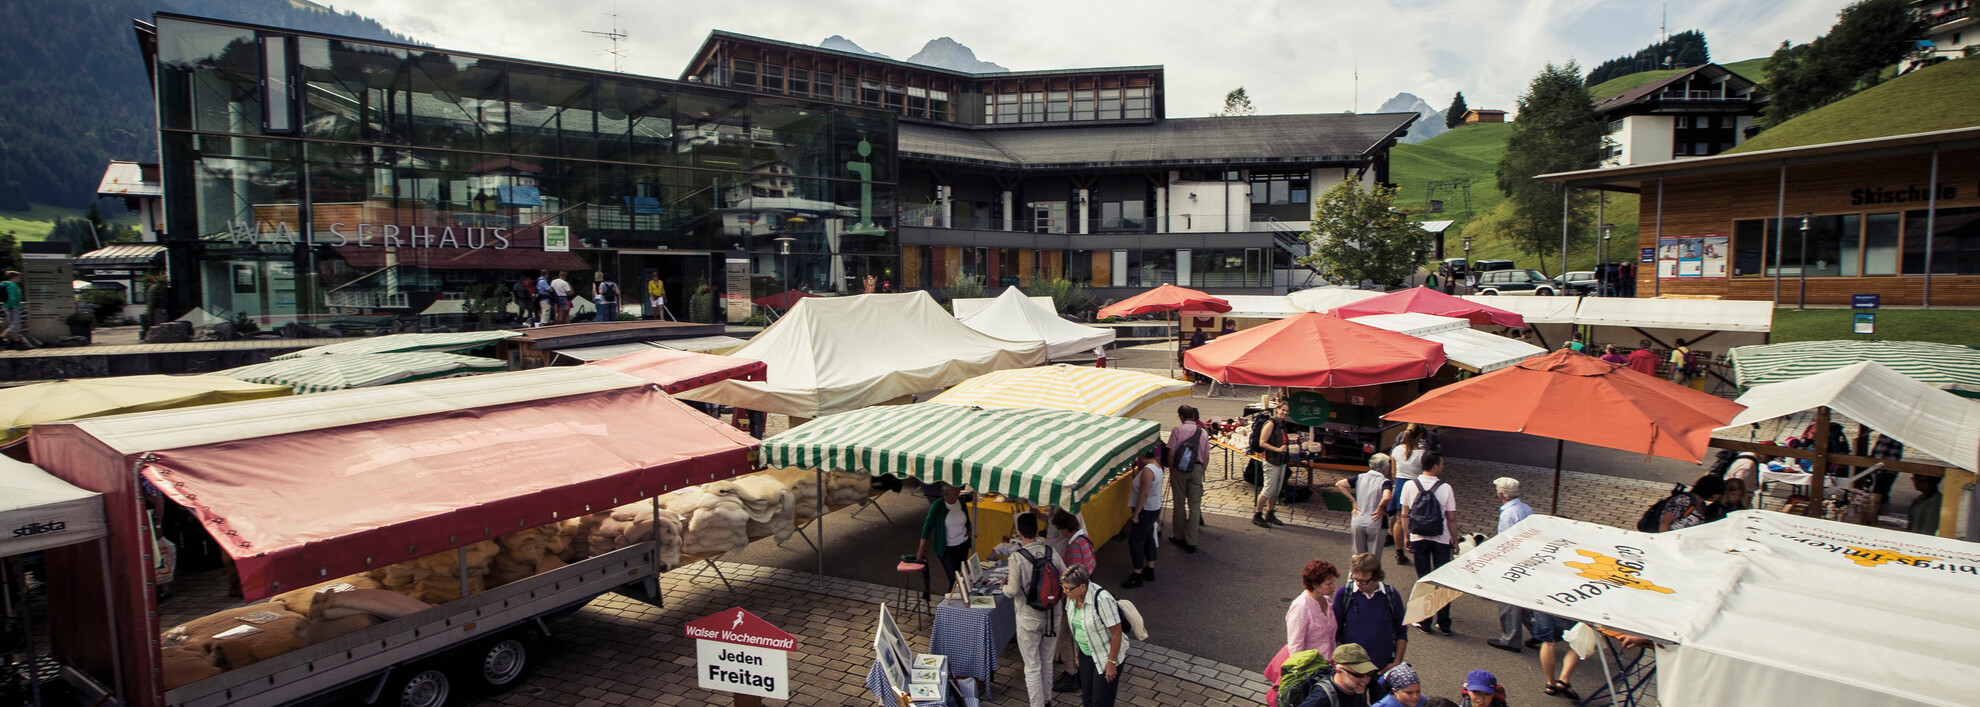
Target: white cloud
1293, 56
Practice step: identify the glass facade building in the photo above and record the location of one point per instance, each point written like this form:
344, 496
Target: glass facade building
311, 177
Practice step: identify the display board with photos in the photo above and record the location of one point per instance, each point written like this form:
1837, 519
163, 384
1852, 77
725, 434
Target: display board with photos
1702, 256
891, 649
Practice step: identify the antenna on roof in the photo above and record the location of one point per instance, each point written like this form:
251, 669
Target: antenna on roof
1357, 88
615, 35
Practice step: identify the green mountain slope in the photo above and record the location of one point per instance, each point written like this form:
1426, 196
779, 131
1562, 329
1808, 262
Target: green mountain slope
1620, 84
1940, 97
1754, 69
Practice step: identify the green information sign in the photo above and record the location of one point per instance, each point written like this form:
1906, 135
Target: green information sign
1309, 408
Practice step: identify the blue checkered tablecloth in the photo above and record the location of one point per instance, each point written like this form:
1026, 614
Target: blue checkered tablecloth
973, 638
876, 681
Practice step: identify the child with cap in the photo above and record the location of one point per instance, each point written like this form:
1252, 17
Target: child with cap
1405, 689
1483, 690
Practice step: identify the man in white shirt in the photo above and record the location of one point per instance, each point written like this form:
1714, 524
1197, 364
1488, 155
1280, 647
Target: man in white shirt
1431, 551
1035, 635
1512, 510
561, 290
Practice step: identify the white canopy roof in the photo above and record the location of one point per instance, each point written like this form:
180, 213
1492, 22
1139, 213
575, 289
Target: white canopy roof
964, 307
1700, 314
39, 511
1321, 299
838, 354
694, 344
1759, 608
1536, 310
1926, 419
1254, 307
1463, 346
1014, 317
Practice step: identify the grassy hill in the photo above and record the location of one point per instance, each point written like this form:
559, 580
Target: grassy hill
35, 223
1620, 84
1940, 97
1754, 69
1473, 151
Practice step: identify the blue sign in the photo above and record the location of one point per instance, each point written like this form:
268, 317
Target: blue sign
1649, 255
1869, 301
1864, 323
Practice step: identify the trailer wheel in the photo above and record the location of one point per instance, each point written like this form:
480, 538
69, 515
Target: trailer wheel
420, 685
501, 664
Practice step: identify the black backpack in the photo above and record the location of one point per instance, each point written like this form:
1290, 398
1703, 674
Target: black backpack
1426, 515
1186, 454
1653, 516
1257, 427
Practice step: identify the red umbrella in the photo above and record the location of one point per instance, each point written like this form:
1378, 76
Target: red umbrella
1164, 299
1423, 300
1573, 397
783, 300
676, 371
1315, 351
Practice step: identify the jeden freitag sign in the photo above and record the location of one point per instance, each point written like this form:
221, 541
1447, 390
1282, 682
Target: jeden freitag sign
737, 651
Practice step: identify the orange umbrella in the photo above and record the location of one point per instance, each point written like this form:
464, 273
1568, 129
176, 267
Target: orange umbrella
1572, 397
1315, 351
1167, 298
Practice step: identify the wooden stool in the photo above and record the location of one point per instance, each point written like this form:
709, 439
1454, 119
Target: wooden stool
904, 596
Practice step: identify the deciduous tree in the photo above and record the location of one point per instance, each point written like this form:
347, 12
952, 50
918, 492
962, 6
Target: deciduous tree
1869, 37
1357, 236
1236, 103
1557, 130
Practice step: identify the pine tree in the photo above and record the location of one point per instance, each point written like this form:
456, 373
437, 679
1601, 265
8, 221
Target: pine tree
1454, 116
1357, 236
1236, 103
1557, 131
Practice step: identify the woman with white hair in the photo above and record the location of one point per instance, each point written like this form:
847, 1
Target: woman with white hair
1370, 491
1512, 618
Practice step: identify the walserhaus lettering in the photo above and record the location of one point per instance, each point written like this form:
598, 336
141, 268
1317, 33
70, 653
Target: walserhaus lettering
372, 235
1910, 193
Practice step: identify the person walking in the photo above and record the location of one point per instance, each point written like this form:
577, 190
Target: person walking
1371, 492
1347, 686
1079, 553
523, 293
1095, 617
1037, 634
948, 530
1512, 617
1609, 354
1145, 503
546, 299
1680, 368
1405, 688
1188, 450
1643, 360
1408, 459
656, 298
605, 296
1557, 659
560, 291
12, 297
1430, 542
1369, 613
1688, 509
1310, 622
1274, 439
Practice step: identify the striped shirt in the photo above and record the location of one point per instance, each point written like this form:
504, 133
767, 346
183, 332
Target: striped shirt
1079, 552
1090, 624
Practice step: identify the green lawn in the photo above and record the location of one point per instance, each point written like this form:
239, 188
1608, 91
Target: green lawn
1468, 151
1946, 326
1620, 84
1941, 97
1754, 69
35, 223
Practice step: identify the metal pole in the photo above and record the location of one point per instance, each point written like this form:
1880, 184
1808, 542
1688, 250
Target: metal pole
1801, 272
1657, 239
1931, 217
1555, 509
1780, 217
1820, 472
1566, 191
820, 522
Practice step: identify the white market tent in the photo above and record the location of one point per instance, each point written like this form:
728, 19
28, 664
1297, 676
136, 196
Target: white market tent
1708, 326
838, 354
1759, 608
40, 511
1467, 348
1253, 307
1323, 299
1926, 419
1550, 318
964, 307
1015, 317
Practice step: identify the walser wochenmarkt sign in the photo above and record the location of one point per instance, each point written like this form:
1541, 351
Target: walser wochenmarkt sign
737, 651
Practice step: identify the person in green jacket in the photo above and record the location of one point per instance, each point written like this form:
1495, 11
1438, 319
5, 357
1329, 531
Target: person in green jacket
948, 529
16, 311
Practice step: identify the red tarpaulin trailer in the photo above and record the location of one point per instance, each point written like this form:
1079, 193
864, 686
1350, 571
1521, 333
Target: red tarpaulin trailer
300, 490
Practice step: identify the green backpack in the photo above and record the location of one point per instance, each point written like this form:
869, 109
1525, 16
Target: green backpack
1296, 676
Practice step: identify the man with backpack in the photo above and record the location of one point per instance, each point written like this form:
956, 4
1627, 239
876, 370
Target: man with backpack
1430, 510
1370, 614
605, 296
1269, 436
1036, 592
1347, 684
1188, 448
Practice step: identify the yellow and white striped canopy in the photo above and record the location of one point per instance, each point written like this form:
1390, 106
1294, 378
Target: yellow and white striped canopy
1102, 391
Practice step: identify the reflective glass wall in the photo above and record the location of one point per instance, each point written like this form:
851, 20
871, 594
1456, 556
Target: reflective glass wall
315, 177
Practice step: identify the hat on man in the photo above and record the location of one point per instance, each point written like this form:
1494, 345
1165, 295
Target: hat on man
1480, 681
1353, 657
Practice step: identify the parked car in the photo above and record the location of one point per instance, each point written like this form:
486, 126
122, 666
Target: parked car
1491, 265
1517, 282
1581, 282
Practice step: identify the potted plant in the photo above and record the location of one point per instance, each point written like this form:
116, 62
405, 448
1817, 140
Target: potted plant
80, 323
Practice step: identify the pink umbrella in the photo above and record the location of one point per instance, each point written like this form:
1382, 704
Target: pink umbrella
1167, 298
1423, 300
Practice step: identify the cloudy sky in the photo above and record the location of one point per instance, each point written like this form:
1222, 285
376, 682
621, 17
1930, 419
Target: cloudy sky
1293, 56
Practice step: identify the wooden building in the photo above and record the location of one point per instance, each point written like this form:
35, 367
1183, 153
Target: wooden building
1855, 215
1484, 116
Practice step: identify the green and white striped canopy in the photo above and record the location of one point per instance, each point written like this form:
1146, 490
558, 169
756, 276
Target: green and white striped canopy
1948, 366
404, 343
316, 374
1056, 457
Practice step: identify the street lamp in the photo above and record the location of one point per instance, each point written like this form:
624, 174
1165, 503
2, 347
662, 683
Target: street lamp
784, 249
1467, 262
1602, 262
1802, 275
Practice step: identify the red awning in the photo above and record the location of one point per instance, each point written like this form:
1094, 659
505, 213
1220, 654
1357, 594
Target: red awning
385, 491
1423, 300
1315, 351
676, 371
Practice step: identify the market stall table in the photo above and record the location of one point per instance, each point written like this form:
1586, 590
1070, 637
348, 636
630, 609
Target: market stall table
973, 637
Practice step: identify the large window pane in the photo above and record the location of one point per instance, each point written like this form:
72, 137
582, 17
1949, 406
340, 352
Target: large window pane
1880, 244
1748, 243
457, 103
1217, 267
855, 128
791, 138
209, 77
550, 113
635, 123
1955, 245
352, 91
713, 129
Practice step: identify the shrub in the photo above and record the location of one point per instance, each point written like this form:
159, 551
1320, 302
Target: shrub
106, 304
1067, 296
